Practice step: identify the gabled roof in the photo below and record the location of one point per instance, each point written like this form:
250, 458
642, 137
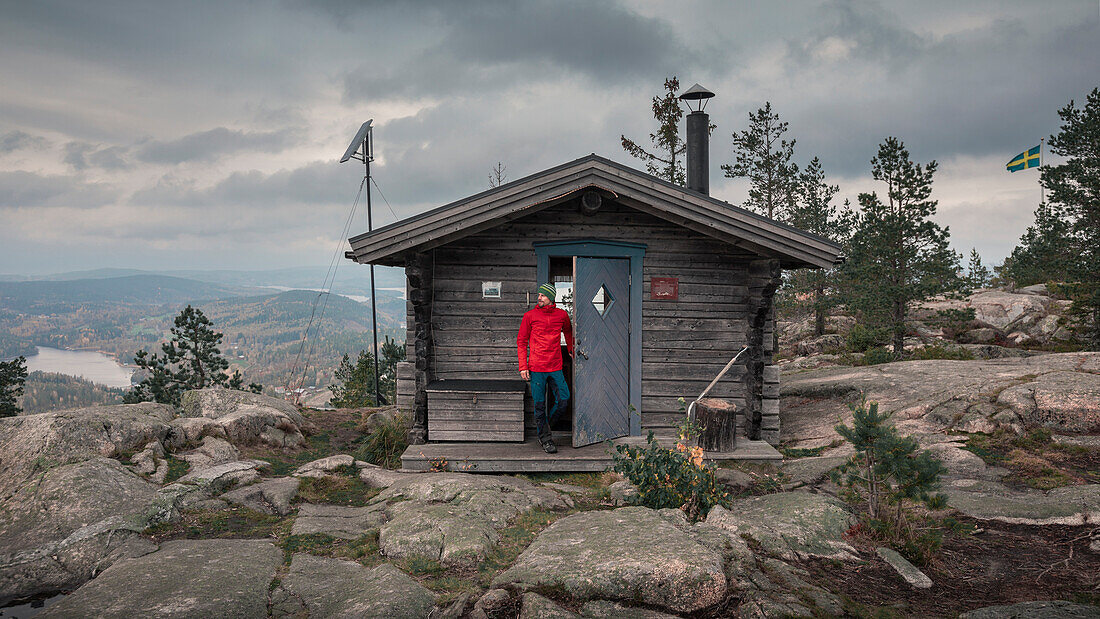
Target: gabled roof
646, 193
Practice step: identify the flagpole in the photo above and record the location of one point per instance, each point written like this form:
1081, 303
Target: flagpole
1042, 192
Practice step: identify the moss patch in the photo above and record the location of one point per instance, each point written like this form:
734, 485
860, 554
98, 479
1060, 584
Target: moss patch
363, 549
176, 468
335, 490
1035, 460
233, 522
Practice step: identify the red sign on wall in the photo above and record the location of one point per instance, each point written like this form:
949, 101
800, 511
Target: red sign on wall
664, 288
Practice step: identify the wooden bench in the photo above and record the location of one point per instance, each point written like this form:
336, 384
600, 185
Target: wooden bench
475, 410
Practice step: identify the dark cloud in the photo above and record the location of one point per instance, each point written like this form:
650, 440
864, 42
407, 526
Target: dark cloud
21, 140
28, 189
82, 156
214, 143
317, 183
495, 46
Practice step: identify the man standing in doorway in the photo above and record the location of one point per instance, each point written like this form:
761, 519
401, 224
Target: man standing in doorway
541, 330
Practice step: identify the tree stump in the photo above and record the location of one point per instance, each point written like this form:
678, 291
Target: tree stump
718, 420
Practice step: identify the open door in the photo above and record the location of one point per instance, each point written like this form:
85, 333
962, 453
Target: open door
601, 369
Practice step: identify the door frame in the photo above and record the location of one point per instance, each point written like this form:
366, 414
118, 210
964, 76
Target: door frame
599, 248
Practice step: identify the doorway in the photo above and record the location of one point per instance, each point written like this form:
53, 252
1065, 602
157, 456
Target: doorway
601, 368
606, 393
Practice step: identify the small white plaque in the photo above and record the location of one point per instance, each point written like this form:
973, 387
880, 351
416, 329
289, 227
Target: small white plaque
490, 290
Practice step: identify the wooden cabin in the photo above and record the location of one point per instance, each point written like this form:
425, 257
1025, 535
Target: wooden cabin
665, 285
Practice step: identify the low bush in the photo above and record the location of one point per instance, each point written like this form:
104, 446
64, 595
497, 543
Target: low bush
386, 443
877, 355
861, 338
676, 478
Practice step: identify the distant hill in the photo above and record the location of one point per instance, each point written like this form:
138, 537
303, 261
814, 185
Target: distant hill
350, 278
48, 391
57, 296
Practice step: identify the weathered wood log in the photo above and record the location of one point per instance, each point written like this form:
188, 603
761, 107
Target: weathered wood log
718, 420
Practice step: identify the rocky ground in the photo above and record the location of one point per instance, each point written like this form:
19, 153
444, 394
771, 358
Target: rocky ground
239, 505
988, 324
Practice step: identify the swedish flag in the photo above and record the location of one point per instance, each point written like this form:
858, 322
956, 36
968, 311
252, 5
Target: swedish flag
1027, 159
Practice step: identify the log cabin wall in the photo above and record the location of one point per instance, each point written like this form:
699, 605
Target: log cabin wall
685, 343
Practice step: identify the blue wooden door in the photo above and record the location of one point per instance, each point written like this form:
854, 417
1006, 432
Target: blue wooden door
601, 370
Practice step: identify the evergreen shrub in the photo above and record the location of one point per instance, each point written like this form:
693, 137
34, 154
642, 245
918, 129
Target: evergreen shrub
677, 478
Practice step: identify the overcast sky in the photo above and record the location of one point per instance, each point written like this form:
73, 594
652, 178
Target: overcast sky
207, 134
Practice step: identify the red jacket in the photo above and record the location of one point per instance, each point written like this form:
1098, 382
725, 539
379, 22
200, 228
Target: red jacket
542, 328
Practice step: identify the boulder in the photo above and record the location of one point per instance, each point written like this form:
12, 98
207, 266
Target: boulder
30, 444
212, 452
187, 431
534, 606
909, 572
201, 485
324, 466
623, 493
335, 588
378, 477
981, 335
56, 532
991, 500
1064, 401
735, 480
492, 601
248, 418
963, 464
337, 520
789, 525
151, 462
1044, 609
270, 497
185, 578
771, 588
1036, 289
454, 517
810, 471
630, 554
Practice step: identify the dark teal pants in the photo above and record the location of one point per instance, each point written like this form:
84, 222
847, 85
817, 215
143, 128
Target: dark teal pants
559, 392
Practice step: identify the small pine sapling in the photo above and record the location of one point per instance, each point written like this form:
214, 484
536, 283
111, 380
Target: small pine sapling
886, 470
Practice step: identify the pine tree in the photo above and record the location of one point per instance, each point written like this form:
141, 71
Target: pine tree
898, 256
356, 382
763, 157
814, 212
1075, 186
189, 360
13, 375
1047, 250
977, 274
886, 468
667, 111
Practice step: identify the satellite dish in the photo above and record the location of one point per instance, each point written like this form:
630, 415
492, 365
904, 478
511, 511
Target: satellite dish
360, 139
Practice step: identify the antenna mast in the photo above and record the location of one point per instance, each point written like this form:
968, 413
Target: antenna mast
362, 149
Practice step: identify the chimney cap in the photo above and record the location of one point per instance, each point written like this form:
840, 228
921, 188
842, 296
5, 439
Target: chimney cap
696, 92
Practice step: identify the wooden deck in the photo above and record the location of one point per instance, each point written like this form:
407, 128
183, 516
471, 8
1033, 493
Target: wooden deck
528, 457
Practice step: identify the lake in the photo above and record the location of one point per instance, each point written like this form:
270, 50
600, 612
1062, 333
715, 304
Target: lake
89, 365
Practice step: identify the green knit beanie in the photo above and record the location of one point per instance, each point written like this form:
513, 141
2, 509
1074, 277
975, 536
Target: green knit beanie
549, 290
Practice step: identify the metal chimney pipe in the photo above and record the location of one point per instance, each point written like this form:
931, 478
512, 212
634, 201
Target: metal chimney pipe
698, 152
698, 140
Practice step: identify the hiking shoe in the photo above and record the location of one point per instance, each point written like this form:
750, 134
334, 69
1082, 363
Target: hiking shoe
549, 447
